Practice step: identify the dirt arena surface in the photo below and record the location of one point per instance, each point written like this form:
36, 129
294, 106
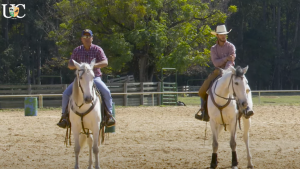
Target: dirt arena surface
152, 137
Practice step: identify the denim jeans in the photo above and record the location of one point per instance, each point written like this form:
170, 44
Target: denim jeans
105, 92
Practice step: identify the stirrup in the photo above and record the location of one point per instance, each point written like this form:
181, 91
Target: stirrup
199, 117
63, 122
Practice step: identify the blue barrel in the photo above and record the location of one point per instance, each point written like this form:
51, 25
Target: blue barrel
30, 106
111, 129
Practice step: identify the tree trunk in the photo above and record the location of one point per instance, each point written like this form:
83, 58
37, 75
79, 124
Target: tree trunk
145, 68
296, 32
39, 51
278, 85
6, 27
27, 53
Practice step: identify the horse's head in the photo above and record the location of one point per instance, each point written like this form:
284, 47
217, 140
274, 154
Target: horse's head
239, 84
85, 76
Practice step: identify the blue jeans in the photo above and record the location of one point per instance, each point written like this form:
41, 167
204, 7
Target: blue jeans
105, 92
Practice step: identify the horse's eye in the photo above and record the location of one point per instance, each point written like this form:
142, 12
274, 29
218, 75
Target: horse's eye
236, 83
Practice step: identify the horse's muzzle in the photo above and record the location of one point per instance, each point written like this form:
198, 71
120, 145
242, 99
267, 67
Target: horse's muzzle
89, 99
245, 104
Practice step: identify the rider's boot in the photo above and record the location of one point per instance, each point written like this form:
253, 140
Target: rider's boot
63, 122
204, 114
110, 120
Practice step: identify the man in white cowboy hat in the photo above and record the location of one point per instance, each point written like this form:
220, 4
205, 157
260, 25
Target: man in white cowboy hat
222, 56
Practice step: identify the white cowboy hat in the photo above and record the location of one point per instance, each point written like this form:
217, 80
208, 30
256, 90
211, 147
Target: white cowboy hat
220, 29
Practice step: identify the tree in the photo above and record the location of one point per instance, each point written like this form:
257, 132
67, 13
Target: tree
266, 36
142, 36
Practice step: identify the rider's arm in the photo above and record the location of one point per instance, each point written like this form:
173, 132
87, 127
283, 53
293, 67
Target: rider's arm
218, 62
101, 64
74, 57
101, 59
231, 56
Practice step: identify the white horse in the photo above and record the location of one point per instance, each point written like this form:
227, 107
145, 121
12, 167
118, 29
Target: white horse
224, 95
85, 112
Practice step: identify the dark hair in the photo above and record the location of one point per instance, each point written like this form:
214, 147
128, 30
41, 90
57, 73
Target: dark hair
239, 71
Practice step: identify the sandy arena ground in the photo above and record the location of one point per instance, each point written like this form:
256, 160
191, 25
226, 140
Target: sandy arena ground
152, 137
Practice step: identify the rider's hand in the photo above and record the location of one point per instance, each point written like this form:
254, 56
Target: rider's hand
230, 58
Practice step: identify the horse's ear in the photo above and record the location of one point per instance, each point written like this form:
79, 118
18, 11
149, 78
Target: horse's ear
93, 63
245, 69
77, 65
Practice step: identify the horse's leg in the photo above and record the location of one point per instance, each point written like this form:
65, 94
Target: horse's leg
90, 144
247, 124
95, 145
77, 145
232, 127
215, 128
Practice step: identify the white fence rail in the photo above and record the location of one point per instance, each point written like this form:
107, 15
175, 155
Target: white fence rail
41, 96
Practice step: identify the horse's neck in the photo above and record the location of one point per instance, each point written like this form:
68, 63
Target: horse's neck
223, 88
77, 94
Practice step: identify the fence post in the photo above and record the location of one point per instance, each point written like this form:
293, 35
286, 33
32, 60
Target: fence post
259, 97
158, 95
41, 101
142, 96
65, 87
125, 95
152, 99
29, 89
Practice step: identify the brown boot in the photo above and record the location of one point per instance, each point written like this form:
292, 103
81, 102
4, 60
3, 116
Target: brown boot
204, 115
110, 120
63, 122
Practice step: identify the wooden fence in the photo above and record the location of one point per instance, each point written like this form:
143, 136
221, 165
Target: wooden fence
30, 89
189, 89
125, 79
123, 100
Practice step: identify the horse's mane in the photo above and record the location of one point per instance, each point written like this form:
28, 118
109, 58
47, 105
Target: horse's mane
238, 71
76, 89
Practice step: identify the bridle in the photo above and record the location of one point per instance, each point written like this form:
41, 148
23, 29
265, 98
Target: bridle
94, 101
80, 77
229, 99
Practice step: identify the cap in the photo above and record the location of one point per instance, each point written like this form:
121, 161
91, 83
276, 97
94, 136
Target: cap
87, 31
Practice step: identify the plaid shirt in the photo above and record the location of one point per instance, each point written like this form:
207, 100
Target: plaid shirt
81, 55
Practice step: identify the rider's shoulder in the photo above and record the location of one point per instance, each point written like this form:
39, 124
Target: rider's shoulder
81, 47
96, 47
229, 43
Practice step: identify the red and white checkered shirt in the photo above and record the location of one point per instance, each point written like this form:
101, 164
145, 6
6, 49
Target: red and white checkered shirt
81, 55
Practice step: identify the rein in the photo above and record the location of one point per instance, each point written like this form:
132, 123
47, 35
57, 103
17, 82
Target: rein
80, 77
90, 109
83, 114
226, 104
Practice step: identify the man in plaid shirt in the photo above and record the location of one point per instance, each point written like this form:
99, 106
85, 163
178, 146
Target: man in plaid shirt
86, 53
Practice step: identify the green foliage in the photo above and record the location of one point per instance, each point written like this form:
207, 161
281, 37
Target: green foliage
232, 9
170, 34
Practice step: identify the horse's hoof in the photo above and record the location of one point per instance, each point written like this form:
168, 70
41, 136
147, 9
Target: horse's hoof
234, 167
251, 166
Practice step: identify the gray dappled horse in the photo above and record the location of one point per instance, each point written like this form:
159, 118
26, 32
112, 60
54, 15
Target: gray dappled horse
85, 112
224, 95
